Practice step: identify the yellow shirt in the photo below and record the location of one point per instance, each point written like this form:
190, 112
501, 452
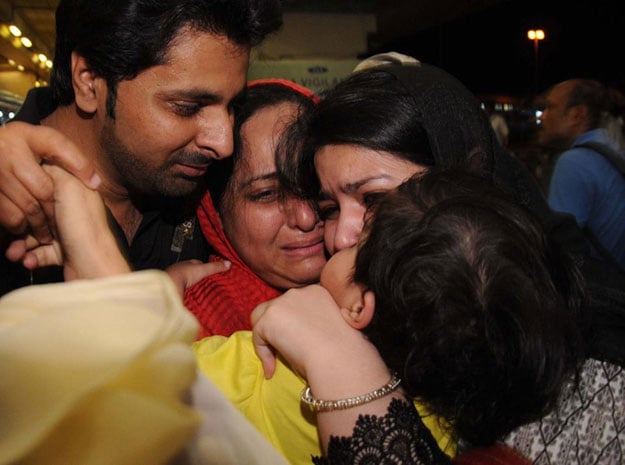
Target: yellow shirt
273, 406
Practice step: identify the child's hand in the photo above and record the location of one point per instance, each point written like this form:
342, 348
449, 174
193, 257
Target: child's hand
186, 274
306, 327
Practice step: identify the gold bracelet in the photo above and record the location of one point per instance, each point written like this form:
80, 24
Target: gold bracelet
319, 405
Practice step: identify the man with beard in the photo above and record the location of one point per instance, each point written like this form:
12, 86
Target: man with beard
140, 104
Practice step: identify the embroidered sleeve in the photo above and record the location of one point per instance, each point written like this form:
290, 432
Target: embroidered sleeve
398, 437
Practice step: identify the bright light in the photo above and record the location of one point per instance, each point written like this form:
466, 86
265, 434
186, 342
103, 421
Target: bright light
42, 58
539, 116
20, 67
11, 115
535, 34
1, 114
49, 64
26, 42
12, 62
15, 30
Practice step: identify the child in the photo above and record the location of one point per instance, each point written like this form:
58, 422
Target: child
463, 297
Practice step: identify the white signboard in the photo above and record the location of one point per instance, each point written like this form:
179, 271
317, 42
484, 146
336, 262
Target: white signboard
317, 75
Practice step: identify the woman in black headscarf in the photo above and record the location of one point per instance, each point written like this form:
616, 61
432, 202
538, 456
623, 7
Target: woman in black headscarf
382, 125
421, 114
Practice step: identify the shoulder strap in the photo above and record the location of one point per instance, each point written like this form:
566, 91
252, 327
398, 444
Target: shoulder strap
615, 158
618, 163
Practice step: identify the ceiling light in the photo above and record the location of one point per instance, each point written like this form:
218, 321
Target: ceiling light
15, 30
26, 42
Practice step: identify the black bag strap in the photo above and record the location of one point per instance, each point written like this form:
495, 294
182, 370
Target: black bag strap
618, 163
615, 158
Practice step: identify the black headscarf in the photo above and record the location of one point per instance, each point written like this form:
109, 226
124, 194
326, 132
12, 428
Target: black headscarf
459, 133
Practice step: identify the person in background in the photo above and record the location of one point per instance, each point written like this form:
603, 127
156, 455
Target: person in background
140, 106
584, 182
498, 122
273, 239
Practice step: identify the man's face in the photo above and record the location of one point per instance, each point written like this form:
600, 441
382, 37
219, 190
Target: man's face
557, 129
173, 119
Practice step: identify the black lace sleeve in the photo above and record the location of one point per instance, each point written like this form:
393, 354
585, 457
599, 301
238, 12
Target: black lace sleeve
399, 437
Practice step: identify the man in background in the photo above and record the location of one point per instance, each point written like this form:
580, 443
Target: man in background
586, 179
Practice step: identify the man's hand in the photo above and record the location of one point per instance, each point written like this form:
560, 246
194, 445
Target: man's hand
82, 241
26, 190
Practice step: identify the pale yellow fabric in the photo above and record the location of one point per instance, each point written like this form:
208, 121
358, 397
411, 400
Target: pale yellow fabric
273, 406
92, 372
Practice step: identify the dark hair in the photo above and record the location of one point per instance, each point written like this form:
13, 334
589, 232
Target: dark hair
591, 94
256, 97
475, 307
371, 109
121, 38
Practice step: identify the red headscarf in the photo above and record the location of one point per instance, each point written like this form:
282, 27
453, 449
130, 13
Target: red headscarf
223, 302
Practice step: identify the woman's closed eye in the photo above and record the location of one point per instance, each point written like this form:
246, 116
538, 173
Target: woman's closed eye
265, 195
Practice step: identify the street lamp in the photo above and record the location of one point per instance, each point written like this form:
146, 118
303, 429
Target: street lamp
536, 35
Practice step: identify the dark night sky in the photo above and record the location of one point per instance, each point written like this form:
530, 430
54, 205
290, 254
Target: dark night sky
489, 50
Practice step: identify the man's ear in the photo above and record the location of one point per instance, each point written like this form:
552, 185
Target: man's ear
84, 82
361, 313
579, 114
